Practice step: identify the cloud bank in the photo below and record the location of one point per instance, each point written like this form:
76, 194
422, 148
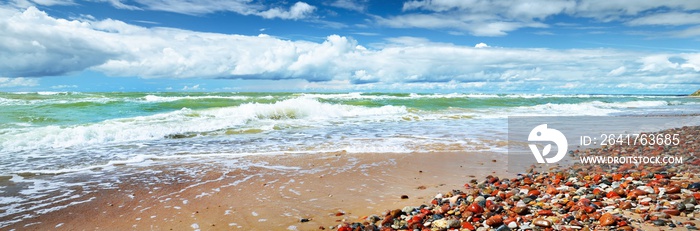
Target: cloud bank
498, 17
35, 44
17, 82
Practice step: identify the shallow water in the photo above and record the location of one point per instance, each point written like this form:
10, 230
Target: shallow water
59, 134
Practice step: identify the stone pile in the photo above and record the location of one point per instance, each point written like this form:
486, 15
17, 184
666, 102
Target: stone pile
574, 197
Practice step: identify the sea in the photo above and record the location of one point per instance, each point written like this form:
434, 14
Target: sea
47, 136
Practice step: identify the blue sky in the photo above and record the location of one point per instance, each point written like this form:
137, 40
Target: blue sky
557, 46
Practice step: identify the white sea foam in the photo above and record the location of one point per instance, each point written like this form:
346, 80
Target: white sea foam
360, 95
155, 98
299, 111
592, 108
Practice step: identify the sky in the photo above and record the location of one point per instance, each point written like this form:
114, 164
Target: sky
535, 46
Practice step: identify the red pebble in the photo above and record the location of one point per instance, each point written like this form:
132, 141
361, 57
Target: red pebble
468, 226
584, 202
417, 218
612, 194
533, 192
673, 189
607, 220
672, 212
636, 193
617, 176
494, 221
551, 190
489, 203
545, 212
596, 178
475, 208
622, 223
597, 191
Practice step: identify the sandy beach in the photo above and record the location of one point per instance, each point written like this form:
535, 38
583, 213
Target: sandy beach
276, 193
343, 191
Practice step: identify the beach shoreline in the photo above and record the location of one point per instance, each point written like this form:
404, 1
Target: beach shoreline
274, 193
335, 190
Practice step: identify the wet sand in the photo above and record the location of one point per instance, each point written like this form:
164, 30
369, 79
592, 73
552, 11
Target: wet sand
274, 192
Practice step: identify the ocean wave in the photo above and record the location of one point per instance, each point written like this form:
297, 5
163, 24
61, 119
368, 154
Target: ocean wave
591, 108
155, 98
369, 96
298, 111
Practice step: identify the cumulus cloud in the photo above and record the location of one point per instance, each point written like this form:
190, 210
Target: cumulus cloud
35, 44
191, 88
298, 11
481, 45
498, 17
18, 82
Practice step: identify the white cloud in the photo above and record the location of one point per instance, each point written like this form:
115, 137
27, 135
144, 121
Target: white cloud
199, 7
669, 19
693, 62
18, 82
120, 5
618, 71
690, 32
35, 44
569, 86
360, 5
39, 45
27, 3
498, 17
609, 10
193, 87
298, 11
409, 41
481, 45
64, 86
480, 25
657, 63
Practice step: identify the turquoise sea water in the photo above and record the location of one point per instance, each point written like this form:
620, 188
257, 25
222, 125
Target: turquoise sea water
99, 128
45, 136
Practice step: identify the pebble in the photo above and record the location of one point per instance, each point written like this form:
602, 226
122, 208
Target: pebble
494, 221
694, 186
475, 208
572, 197
659, 222
542, 222
672, 212
607, 220
502, 228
